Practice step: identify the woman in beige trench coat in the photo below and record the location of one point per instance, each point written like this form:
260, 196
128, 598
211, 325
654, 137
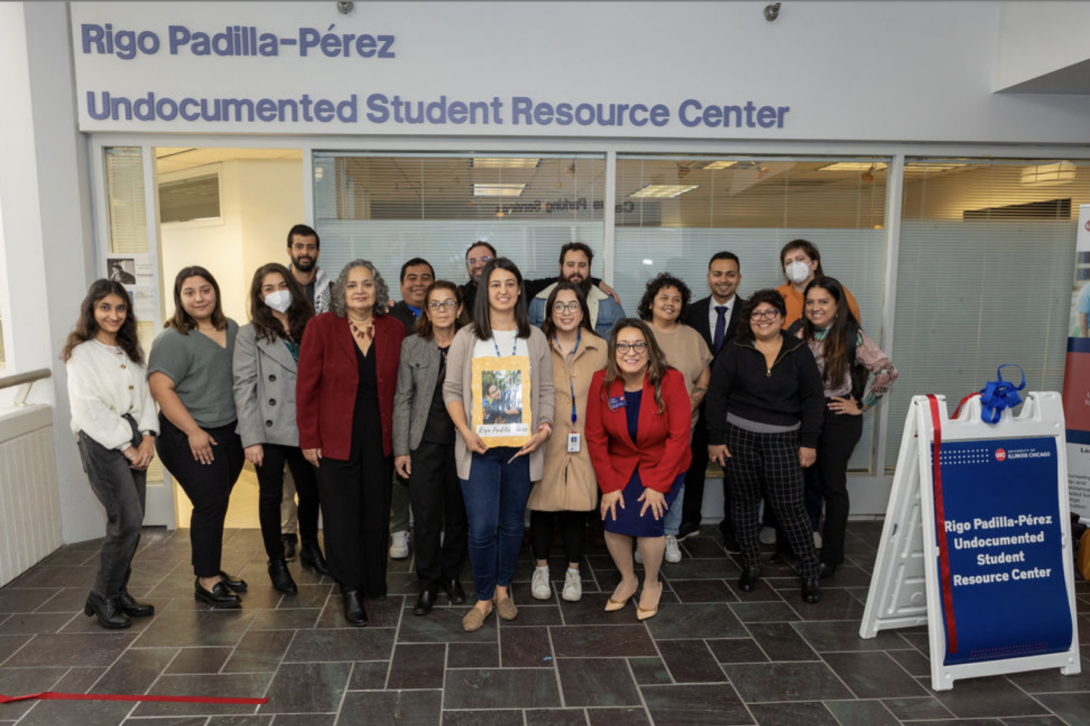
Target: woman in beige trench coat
568, 488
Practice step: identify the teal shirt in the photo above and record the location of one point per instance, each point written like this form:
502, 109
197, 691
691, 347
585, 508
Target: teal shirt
201, 371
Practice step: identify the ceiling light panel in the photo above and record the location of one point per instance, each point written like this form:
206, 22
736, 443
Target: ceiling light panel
663, 191
505, 163
498, 190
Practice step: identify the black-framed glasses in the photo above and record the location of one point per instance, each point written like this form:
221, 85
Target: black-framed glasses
438, 305
639, 347
482, 260
764, 314
570, 307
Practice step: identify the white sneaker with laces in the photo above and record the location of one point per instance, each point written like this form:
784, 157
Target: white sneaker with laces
673, 552
539, 584
399, 545
817, 540
638, 557
767, 536
573, 586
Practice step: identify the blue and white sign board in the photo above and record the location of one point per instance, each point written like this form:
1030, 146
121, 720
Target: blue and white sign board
978, 544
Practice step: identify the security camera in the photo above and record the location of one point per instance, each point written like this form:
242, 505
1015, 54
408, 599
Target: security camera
772, 12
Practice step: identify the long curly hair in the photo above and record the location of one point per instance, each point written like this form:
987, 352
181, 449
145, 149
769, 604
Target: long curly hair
382, 292
266, 326
655, 286
656, 359
87, 327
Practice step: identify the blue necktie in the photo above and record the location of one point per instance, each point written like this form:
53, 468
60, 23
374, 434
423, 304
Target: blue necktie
720, 327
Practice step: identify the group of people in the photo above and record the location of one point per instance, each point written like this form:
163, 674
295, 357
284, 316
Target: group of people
472, 404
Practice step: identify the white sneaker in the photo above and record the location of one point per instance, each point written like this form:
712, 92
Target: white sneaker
539, 585
638, 557
767, 536
673, 552
817, 540
399, 545
573, 586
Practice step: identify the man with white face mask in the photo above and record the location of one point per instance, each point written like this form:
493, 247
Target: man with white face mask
801, 263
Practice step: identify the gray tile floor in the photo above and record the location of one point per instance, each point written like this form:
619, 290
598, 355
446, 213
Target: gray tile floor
713, 656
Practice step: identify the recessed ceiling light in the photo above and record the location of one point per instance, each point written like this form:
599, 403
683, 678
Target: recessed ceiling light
505, 163
498, 190
930, 167
663, 191
855, 166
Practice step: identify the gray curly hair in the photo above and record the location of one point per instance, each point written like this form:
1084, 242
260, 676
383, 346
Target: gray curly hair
382, 292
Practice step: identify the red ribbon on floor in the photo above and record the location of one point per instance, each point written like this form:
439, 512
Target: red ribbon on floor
940, 530
54, 696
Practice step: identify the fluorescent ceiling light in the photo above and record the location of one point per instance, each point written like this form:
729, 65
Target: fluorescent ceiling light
717, 165
855, 166
1061, 172
663, 191
931, 168
505, 163
498, 190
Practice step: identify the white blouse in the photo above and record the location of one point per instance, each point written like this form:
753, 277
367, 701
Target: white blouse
103, 386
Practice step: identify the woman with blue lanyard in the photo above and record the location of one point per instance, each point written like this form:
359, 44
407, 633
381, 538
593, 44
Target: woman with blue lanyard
499, 344
568, 490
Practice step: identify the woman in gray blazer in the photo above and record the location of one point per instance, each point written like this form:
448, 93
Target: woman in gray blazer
424, 438
265, 369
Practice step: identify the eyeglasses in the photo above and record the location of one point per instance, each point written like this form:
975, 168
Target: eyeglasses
639, 347
436, 305
764, 314
479, 260
565, 307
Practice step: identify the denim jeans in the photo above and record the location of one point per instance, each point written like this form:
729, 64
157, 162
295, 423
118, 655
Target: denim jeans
495, 497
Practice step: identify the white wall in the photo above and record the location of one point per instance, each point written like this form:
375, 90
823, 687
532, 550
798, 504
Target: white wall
1038, 38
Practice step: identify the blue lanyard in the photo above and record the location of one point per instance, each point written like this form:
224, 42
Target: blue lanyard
514, 348
578, 338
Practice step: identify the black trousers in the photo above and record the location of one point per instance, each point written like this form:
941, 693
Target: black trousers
355, 501
573, 526
839, 435
436, 497
270, 479
122, 492
207, 486
768, 465
692, 506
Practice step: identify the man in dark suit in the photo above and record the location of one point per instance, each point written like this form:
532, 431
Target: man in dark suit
714, 317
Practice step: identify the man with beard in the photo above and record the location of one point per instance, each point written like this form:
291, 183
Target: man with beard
478, 255
575, 259
303, 244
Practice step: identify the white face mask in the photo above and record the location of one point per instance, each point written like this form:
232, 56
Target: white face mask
797, 272
279, 301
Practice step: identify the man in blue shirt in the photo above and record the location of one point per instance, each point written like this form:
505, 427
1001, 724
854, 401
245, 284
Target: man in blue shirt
416, 275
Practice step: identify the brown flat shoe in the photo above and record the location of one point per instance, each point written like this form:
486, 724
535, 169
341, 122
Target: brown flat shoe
506, 609
474, 619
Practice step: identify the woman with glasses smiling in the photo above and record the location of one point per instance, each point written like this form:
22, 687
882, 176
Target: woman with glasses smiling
424, 439
638, 424
765, 408
568, 488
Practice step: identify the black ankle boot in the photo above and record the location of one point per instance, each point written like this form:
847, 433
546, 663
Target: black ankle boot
110, 615
353, 608
811, 589
310, 557
132, 608
281, 578
748, 581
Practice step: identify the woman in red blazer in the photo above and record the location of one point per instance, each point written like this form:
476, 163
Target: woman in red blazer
638, 423
344, 409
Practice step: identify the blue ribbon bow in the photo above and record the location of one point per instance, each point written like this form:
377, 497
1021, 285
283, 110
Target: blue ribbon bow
999, 395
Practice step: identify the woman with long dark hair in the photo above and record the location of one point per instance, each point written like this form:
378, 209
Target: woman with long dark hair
638, 428
113, 418
845, 356
499, 345
568, 489
189, 373
424, 439
265, 370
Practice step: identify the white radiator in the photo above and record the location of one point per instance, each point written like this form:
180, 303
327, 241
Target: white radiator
30, 512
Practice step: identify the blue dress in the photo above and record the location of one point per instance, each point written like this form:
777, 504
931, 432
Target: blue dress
629, 521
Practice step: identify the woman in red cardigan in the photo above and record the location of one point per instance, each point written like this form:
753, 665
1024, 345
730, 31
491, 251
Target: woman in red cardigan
638, 422
344, 408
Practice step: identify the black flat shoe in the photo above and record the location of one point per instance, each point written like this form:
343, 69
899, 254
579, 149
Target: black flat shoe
687, 530
748, 581
218, 597
426, 601
454, 591
234, 582
811, 589
289, 546
353, 608
132, 608
281, 578
310, 557
826, 570
109, 613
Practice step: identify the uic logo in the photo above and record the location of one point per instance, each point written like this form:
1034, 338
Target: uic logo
1000, 455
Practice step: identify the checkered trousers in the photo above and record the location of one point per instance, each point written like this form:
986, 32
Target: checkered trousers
768, 465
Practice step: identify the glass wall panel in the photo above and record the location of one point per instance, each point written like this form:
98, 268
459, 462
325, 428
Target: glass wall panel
752, 207
391, 208
986, 273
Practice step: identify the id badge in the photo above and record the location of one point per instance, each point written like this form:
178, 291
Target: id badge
617, 402
574, 441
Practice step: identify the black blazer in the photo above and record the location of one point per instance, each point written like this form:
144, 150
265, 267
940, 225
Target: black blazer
698, 318
401, 312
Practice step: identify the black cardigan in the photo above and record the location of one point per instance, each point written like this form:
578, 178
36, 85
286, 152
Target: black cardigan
791, 392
